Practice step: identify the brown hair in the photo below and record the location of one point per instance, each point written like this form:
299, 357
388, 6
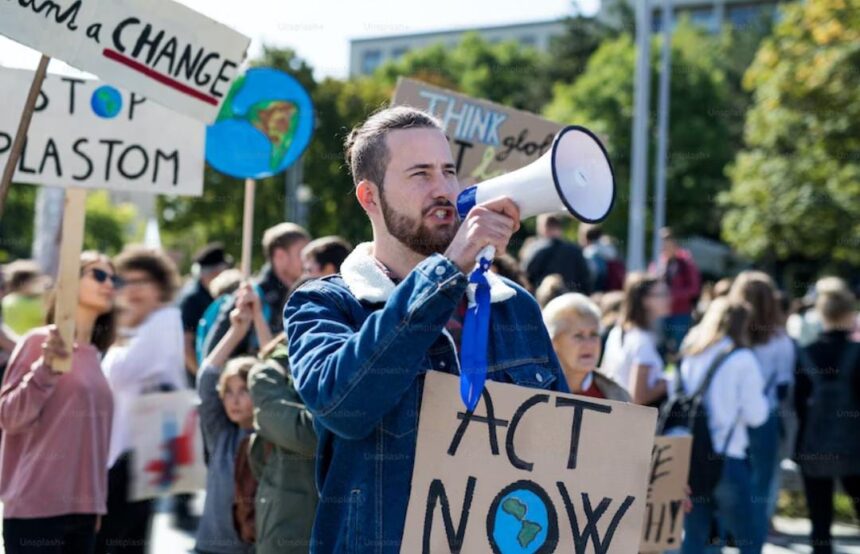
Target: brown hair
328, 250
20, 273
237, 367
757, 289
367, 153
104, 329
723, 318
155, 263
835, 301
637, 286
283, 236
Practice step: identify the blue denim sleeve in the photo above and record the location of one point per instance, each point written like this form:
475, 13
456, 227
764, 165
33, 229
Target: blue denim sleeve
350, 379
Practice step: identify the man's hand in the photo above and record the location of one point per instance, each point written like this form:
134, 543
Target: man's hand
490, 223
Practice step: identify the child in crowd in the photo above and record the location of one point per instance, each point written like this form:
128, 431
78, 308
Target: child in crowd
227, 418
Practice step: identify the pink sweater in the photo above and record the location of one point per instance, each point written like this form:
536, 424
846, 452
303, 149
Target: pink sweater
56, 433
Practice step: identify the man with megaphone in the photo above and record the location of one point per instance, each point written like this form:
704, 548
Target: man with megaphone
361, 342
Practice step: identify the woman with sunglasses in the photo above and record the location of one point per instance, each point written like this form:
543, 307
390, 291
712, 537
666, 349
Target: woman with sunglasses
149, 357
56, 427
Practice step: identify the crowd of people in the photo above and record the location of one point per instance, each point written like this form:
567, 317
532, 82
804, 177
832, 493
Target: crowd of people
300, 430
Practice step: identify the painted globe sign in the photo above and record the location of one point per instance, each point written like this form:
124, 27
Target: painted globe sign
264, 125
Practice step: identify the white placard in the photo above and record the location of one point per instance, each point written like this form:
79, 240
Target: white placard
134, 145
157, 48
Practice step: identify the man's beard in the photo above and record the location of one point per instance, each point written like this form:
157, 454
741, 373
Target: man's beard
415, 234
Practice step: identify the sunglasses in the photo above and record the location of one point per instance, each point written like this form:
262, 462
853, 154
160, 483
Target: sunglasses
100, 275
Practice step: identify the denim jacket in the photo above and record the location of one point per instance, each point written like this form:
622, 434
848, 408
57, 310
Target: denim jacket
360, 347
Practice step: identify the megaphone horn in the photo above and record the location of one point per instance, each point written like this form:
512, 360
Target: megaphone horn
575, 175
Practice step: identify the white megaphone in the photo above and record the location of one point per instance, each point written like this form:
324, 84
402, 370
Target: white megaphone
575, 175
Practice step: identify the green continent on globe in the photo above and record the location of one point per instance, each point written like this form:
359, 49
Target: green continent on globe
529, 530
108, 103
277, 120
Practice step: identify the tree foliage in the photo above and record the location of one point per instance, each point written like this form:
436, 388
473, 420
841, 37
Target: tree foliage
796, 184
700, 122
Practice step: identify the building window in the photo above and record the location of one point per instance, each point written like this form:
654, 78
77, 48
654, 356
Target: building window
370, 60
528, 40
399, 52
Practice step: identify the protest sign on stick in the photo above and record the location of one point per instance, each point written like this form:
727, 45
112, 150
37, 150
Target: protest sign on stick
157, 48
21, 133
664, 512
487, 139
69, 275
529, 470
90, 134
265, 124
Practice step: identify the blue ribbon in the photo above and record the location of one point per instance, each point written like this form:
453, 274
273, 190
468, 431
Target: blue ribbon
476, 330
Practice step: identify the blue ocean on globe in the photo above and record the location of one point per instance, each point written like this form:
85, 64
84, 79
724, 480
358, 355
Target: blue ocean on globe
264, 125
521, 523
106, 101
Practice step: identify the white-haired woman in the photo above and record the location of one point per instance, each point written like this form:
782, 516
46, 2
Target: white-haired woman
573, 322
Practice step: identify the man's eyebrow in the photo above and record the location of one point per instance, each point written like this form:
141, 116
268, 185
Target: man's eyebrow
419, 166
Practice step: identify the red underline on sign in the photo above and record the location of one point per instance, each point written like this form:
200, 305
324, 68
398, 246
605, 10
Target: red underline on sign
163, 79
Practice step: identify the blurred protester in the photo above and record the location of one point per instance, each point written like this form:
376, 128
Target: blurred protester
631, 357
827, 399
283, 246
677, 268
551, 287
323, 256
775, 353
147, 357
227, 418
610, 305
8, 338
733, 400
24, 301
282, 456
573, 323
209, 262
506, 266
222, 288
552, 253
607, 269
53, 467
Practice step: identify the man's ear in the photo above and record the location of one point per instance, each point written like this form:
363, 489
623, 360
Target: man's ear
367, 194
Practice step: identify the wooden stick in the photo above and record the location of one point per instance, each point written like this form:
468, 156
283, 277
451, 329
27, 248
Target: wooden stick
69, 275
23, 127
248, 226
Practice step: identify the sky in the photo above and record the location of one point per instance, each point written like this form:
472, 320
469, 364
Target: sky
309, 28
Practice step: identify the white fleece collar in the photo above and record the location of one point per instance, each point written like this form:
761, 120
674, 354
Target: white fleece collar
369, 283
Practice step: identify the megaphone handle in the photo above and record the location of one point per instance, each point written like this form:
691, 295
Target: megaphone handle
486, 254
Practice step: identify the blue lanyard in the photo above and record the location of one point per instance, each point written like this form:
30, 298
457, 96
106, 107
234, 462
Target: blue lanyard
476, 330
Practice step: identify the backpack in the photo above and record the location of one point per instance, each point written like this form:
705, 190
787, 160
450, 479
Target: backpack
688, 413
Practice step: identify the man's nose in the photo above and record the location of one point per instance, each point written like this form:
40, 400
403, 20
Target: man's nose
442, 186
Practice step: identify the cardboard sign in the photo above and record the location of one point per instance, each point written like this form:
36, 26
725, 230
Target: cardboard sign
487, 139
167, 445
529, 471
157, 48
664, 513
85, 133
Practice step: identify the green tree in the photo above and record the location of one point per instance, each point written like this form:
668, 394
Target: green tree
796, 183
16, 225
699, 131
504, 72
108, 226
